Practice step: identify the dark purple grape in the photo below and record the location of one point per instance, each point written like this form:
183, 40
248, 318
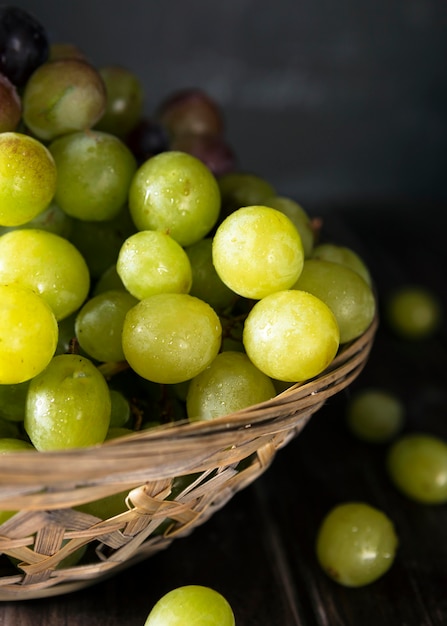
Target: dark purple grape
24, 44
147, 139
10, 105
190, 111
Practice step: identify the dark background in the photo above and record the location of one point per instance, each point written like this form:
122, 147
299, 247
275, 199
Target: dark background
333, 102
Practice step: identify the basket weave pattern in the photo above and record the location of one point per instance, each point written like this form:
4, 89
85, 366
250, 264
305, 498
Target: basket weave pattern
216, 459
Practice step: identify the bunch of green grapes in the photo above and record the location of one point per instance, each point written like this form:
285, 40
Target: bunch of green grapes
136, 260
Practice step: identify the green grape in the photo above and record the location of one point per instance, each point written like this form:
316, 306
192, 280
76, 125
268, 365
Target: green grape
13, 401
28, 334
63, 96
298, 216
176, 193
417, 465
8, 445
206, 283
356, 544
291, 335
68, 405
375, 415
48, 264
413, 312
94, 172
107, 507
239, 189
152, 262
99, 325
115, 432
67, 335
27, 178
108, 281
124, 107
230, 383
52, 219
257, 250
191, 604
120, 409
100, 242
348, 296
344, 256
171, 337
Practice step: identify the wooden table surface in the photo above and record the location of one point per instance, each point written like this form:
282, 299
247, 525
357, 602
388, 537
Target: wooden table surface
259, 549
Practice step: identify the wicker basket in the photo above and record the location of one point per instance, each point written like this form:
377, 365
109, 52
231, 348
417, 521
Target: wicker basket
216, 459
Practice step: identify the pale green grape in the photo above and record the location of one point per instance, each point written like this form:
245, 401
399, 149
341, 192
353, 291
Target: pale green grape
193, 605
152, 262
52, 219
375, 415
63, 96
27, 178
11, 444
28, 334
417, 465
299, 217
344, 256
413, 312
171, 337
176, 193
94, 172
68, 405
49, 264
124, 105
206, 283
344, 291
13, 400
356, 544
257, 250
291, 335
230, 383
99, 325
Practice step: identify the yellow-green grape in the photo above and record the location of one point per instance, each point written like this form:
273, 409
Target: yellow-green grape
230, 383
291, 335
257, 250
124, 105
356, 544
52, 219
417, 465
68, 405
13, 400
99, 325
299, 217
191, 604
206, 283
152, 262
63, 96
28, 334
375, 415
176, 193
48, 264
344, 256
344, 291
413, 312
27, 178
171, 337
94, 172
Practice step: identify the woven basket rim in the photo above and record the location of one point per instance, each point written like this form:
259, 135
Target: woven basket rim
274, 415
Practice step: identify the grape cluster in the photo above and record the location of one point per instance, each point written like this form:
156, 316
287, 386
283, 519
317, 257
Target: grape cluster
143, 276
